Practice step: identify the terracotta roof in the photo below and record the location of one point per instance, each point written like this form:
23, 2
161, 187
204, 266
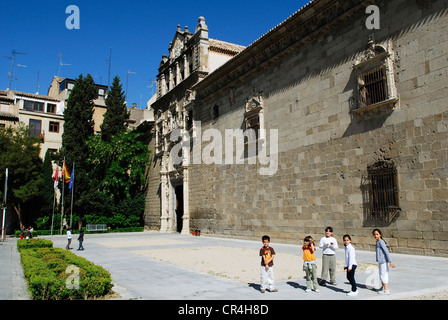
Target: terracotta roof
35, 96
225, 47
7, 115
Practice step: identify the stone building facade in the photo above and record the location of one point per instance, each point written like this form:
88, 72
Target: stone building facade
192, 56
359, 119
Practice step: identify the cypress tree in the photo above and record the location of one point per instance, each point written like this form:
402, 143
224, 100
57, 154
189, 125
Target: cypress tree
78, 120
117, 114
78, 128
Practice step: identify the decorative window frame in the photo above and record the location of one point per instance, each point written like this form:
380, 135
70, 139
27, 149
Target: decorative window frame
254, 110
378, 57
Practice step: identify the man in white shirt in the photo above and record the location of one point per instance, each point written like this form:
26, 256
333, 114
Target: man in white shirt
69, 238
329, 245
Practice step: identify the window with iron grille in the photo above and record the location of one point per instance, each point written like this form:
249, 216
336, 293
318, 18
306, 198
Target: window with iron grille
383, 193
253, 123
374, 73
374, 89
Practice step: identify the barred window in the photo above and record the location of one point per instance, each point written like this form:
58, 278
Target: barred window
254, 124
383, 192
374, 89
374, 73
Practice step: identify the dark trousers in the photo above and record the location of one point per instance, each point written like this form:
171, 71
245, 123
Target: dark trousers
351, 277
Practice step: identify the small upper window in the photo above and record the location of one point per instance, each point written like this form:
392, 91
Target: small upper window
33, 105
51, 108
54, 127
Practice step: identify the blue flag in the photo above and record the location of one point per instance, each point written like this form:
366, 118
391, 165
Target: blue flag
72, 178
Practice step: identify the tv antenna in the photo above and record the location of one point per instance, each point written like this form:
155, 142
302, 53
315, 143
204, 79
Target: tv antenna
127, 80
110, 64
38, 85
151, 86
61, 64
14, 54
17, 72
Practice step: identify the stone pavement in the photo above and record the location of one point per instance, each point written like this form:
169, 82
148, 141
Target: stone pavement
137, 277
13, 285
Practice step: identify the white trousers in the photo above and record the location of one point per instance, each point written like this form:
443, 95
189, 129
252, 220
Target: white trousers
267, 278
384, 272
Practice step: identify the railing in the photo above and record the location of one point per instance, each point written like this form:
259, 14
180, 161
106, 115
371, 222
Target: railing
96, 227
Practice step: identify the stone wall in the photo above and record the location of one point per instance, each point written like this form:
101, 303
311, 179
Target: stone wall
152, 207
325, 148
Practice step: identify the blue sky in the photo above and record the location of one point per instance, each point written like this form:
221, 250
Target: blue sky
138, 32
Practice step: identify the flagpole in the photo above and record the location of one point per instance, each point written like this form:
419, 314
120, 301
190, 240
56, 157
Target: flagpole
54, 195
73, 186
52, 216
63, 188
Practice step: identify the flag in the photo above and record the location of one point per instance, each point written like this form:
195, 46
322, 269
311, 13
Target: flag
72, 178
56, 178
65, 173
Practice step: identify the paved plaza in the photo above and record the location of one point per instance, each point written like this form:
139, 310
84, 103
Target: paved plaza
138, 274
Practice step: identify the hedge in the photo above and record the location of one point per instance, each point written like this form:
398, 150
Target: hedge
34, 243
45, 269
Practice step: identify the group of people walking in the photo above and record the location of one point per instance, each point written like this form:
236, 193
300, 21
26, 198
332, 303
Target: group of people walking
70, 237
328, 244
26, 233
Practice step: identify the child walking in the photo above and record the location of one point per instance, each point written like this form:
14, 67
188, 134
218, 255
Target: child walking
350, 264
309, 264
329, 245
267, 266
69, 238
384, 261
81, 240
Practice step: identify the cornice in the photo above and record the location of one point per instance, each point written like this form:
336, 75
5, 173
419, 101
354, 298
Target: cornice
178, 92
309, 23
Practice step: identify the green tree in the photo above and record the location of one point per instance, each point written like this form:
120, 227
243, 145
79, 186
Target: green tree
47, 192
119, 165
119, 178
117, 114
78, 128
19, 152
78, 120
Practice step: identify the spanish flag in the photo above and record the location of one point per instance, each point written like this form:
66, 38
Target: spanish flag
66, 173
